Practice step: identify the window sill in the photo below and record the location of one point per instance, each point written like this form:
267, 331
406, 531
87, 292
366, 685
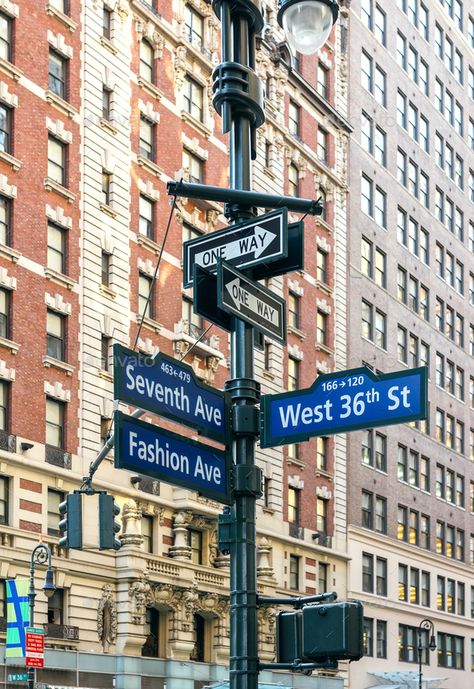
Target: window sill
51, 362
149, 165
103, 289
196, 124
107, 43
268, 374
51, 185
296, 331
106, 375
108, 210
324, 224
10, 69
14, 163
295, 462
8, 252
108, 126
60, 278
9, 344
148, 323
150, 88
324, 287
148, 243
323, 472
61, 104
269, 173
54, 12
323, 348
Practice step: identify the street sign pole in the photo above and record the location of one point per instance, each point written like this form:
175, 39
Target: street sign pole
242, 112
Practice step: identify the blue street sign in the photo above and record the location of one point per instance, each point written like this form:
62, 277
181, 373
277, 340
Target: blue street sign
344, 401
147, 449
169, 388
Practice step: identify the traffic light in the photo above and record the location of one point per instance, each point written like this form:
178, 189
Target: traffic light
71, 521
108, 527
317, 633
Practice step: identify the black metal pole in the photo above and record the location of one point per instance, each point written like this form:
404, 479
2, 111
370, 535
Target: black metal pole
31, 604
420, 669
237, 97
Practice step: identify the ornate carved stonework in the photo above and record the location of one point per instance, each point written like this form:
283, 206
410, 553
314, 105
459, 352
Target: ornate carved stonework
107, 618
131, 529
140, 594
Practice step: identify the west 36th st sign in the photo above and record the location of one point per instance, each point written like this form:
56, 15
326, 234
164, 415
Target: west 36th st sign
344, 401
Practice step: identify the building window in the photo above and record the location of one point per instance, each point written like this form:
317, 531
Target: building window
105, 268
450, 651
195, 543
57, 159
367, 573
106, 188
5, 37
381, 577
107, 17
107, 103
322, 452
368, 636
321, 515
5, 324
56, 607
105, 352
57, 74
294, 310
5, 221
321, 266
147, 62
293, 180
322, 145
322, 81
55, 497
4, 406
56, 335
147, 533
146, 222
293, 505
56, 256
407, 644
55, 413
367, 506
145, 296
194, 26
294, 566
5, 129
193, 98
147, 139
321, 327
294, 116
4, 499
293, 373
323, 577
381, 639
194, 166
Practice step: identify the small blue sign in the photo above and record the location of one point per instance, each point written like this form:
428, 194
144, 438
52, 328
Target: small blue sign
147, 449
344, 401
169, 388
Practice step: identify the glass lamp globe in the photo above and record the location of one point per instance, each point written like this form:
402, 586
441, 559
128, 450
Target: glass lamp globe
307, 23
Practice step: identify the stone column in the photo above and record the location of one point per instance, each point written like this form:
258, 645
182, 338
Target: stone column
181, 550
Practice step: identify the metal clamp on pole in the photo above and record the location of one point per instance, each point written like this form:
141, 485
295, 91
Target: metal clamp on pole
298, 603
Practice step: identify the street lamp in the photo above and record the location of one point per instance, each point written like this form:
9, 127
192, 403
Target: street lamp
307, 23
425, 625
39, 556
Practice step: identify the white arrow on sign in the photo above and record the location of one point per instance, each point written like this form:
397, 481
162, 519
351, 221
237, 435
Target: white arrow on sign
241, 297
255, 244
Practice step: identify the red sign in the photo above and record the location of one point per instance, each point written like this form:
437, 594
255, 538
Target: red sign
34, 647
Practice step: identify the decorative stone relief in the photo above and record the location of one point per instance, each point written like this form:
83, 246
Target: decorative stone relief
10, 99
7, 189
140, 594
147, 30
147, 346
323, 305
179, 65
7, 281
322, 243
59, 43
58, 216
148, 189
323, 492
131, 528
295, 352
296, 481
107, 618
148, 111
146, 266
5, 372
57, 303
57, 391
57, 129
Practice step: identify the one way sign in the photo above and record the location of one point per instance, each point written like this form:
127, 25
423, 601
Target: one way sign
260, 240
251, 302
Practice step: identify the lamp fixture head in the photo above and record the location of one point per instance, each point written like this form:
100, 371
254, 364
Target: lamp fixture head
307, 23
49, 586
432, 643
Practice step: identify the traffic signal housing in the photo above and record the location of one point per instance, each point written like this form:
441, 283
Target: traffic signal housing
108, 526
70, 525
319, 633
